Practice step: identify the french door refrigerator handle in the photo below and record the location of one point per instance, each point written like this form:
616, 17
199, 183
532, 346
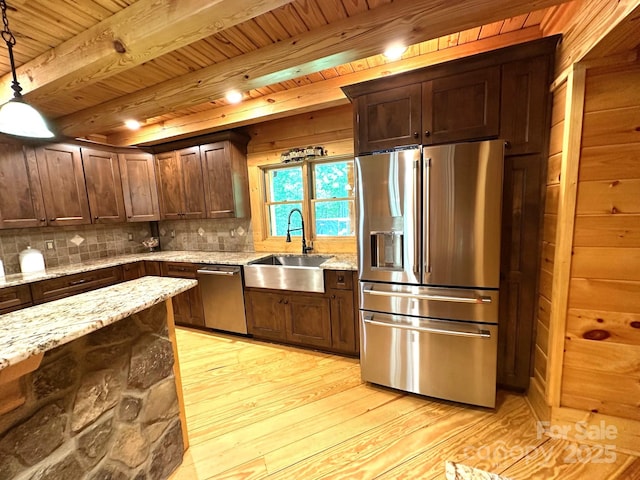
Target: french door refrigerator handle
416, 230
426, 296
458, 333
426, 205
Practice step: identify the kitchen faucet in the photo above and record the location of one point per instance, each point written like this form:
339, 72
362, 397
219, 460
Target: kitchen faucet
305, 249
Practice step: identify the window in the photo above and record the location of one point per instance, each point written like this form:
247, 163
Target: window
322, 189
332, 199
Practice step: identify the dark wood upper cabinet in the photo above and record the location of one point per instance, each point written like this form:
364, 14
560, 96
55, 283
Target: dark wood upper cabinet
226, 186
523, 114
388, 118
21, 203
63, 185
180, 184
104, 187
169, 185
461, 107
192, 182
139, 187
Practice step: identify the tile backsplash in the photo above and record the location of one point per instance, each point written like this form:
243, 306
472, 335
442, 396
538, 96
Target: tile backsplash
208, 235
80, 243
73, 244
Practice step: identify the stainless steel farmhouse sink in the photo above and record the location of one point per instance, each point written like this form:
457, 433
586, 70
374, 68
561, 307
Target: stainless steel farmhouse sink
286, 272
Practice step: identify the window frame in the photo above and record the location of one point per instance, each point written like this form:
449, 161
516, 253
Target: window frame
308, 203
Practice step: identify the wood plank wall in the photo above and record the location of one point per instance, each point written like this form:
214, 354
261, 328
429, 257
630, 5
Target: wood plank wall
539, 381
601, 371
332, 128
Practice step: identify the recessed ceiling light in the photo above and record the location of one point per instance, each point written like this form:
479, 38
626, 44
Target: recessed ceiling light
395, 51
132, 124
233, 96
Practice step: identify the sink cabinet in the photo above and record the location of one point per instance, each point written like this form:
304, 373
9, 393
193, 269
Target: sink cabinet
326, 321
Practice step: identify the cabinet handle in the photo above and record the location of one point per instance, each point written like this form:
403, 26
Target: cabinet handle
286, 301
129, 216
43, 219
416, 134
95, 218
427, 133
78, 282
52, 219
333, 296
280, 301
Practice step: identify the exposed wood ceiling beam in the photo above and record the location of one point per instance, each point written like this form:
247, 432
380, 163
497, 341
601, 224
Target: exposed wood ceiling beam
141, 32
344, 41
316, 96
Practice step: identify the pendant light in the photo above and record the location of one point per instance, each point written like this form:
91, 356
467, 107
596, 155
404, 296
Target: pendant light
16, 116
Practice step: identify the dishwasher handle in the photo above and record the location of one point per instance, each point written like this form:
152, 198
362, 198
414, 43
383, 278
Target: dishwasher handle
227, 273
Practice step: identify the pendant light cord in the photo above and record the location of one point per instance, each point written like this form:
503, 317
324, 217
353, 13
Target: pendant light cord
10, 40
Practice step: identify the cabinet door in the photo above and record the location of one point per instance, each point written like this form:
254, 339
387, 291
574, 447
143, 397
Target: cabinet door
21, 203
308, 320
519, 268
182, 308
523, 117
218, 186
265, 314
343, 320
139, 187
193, 183
63, 185
169, 185
389, 118
104, 188
188, 309
131, 271
461, 107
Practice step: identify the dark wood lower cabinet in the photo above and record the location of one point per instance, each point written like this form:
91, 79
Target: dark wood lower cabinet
321, 320
308, 320
187, 306
265, 312
61, 287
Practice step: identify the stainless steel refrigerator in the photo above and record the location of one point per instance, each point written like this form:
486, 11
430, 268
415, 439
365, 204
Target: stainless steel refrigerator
428, 235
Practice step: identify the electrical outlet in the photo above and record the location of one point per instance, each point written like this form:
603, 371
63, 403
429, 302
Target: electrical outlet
173, 234
49, 244
130, 236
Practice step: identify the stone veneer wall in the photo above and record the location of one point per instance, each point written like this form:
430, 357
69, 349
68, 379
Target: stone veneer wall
101, 407
92, 242
209, 235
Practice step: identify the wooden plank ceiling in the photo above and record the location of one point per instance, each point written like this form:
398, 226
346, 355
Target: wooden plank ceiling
88, 65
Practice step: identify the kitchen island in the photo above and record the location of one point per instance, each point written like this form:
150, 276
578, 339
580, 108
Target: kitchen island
90, 383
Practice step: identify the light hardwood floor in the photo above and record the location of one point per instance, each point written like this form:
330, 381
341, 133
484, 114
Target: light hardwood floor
257, 410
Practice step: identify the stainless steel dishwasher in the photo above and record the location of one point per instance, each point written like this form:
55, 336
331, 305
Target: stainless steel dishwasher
222, 298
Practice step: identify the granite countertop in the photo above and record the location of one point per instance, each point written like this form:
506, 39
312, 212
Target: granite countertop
36, 329
336, 262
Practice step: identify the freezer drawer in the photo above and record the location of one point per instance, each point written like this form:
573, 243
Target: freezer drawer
464, 304
438, 358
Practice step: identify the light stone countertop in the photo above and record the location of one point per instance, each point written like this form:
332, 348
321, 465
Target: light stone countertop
36, 329
336, 262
